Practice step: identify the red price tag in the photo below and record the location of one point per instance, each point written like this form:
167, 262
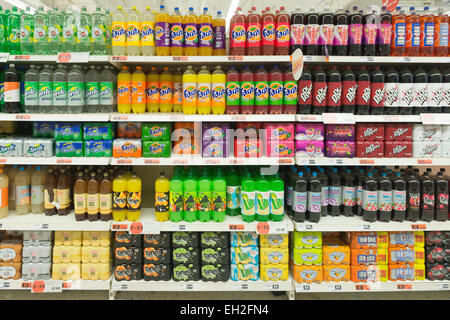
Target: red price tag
285, 161
136, 228
367, 161
119, 227
418, 226
120, 118
236, 161
64, 161
119, 58
362, 287
262, 228
64, 57
152, 161
406, 286
425, 161
23, 117
22, 58
236, 227
212, 161
38, 286
66, 285
183, 58
2, 160
26, 285
235, 58
179, 161
124, 161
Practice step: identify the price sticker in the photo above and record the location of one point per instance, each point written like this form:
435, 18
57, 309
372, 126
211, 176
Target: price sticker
278, 228
309, 118
212, 161
365, 227
366, 161
406, 59
179, 227
64, 161
304, 227
263, 228
73, 57
38, 286
312, 161
5, 285
308, 58
339, 162
362, 287
136, 228
285, 161
238, 118
274, 287
338, 118
23, 117
236, 161
406, 286
235, 58
119, 227
182, 58
21, 58
119, 58
42, 226
418, 226
188, 287
430, 118
335, 287
242, 287
4, 56
302, 287
152, 161
179, 161
2, 160
236, 227
124, 161
119, 118
145, 228
26, 285
370, 59
424, 161
443, 286
391, 118
123, 287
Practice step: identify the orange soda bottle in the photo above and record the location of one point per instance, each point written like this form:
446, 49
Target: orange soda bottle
205, 34
441, 34
426, 33
412, 33
219, 35
153, 90
165, 91
176, 33
162, 32
191, 33
398, 33
138, 95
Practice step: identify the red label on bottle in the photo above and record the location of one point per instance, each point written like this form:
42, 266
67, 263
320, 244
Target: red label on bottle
326, 34
297, 34
340, 35
363, 93
377, 94
370, 33
319, 94
312, 34
253, 35
334, 94
304, 92
348, 93
237, 35
385, 33
283, 35
268, 33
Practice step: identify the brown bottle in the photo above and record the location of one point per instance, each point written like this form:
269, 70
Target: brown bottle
50, 185
63, 193
93, 206
80, 197
106, 198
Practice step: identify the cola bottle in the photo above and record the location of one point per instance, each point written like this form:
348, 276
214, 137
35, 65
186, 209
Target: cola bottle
326, 33
348, 97
312, 33
398, 198
355, 32
446, 90
363, 91
383, 45
441, 183
405, 92
298, 29
370, 198
334, 90
391, 92
413, 199
427, 207
360, 178
348, 194
435, 91
305, 92
377, 92
340, 39
420, 93
369, 33
384, 198
319, 97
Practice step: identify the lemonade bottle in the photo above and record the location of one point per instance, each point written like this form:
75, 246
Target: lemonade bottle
134, 198
190, 197
162, 32
176, 197
177, 91
119, 33
218, 91
205, 34
148, 33
153, 90
119, 198
138, 97
165, 91
204, 91
191, 33
124, 91
219, 39
134, 33
189, 91
162, 187
23, 192
176, 33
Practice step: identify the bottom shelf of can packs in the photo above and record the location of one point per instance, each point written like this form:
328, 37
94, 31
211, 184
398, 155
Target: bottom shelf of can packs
398, 286
171, 285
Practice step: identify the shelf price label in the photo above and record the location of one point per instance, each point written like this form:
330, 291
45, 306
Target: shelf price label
124, 161
242, 287
263, 228
179, 227
304, 227
238, 117
23, 117
303, 287
152, 161
236, 227
366, 161
119, 58
64, 161
424, 161
338, 118
42, 226
406, 286
213, 161
274, 287
362, 287
21, 58
26, 285
48, 286
443, 286
236, 161
309, 118
365, 227
2, 160
188, 287
278, 228
335, 287
285, 160
235, 58
4, 56
119, 227
183, 58
179, 161
73, 57
5, 285
119, 118
439, 118
144, 228
418, 226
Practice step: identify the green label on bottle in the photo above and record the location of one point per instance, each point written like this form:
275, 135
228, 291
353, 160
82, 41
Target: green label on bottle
68, 34
106, 93
262, 202
75, 93
25, 34
248, 203
92, 93
233, 197
233, 93
219, 200
60, 93
290, 92
204, 201
262, 93
176, 201
54, 32
277, 202
98, 33
45, 93
83, 34
14, 35
190, 201
31, 94
247, 93
276, 93
40, 34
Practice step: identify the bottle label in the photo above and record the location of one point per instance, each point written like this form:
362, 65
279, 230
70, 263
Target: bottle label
377, 94
23, 195
177, 92
40, 34
414, 200
283, 35
106, 93
446, 93
14, 36
442, 34
45, 93
75, 93
176, 201
276, 93
277, 202
83, 34
298, 32
138, 92
304, 92
31, 96
399, 200
161, 201
189, 93
190, 201
218, 94
176, 35
106, 203
405, 94
37, 194
428, 34
92, 93
312, 34
98, 33
133, 34
233, 93
238, 36
399, 34
299, 202
385, 200
134, 201
247, 93
334, 94
59, 93
340, 35
289, 196
123, 92
319, 94
12, 91
219, 201
204, 201
442, 201
384, 33
205, 35
428, 201
348, 93
191, 35
420, 94
355, 34
118, 34
3, 197
153, 93
162, 34
233, 197
363, 93
63, 198
247, 203
148, 34
25, 34
262, 202
349, 196
290, 92
80, 203
370, 200
165, 92
412, 35
253, 35
391, 94
324, 196
219, 37
370, 34
268, 33
334, 196
204, 94
93, 206
436, 94
314, 201
326, 34
359, 192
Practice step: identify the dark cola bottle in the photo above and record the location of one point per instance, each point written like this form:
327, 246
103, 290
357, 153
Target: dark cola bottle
446, 90
305, 85
384, 198
298, 30
370, 198
377, 92
428, 198
369, 33
405, 92
319, 97
383, 45
340, 40
348, 97
398, 198
326, 33
435, 91
391, 92
420, 94
363, 91
355, 32
441, 183
334, 90
311, 43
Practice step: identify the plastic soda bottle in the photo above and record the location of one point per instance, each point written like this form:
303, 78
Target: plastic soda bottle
262, 91
176, 198
12, 101
69, 31
23, 192
162, 187
253, 33
355, 32
441, 31
247, 85
108, 30
31, 94
370, 198
283, 33
277, 198
92, 91
412, 33
26, 32
119, 33
262, 198
233, 192
219, 39
13, 31
204, 91
426, 33
398, 41
177, 91
98, 35
153, 90
148, 33
314, 198
138, 98
190, 197
84, 31
276, 90
3, 32
233, 91
46, 90
4, 183
189, 91
75, 90
54, 31
134, 198
120, 193
107, 89
237, 35
300, 198
290, 95
124, 91
384, 198
205, 34
247, 198
219, 196
204, 197
165, 91
37, 191
176, 33
268, 32
133, 33
191, 33
218, 91
162, 32
59, 88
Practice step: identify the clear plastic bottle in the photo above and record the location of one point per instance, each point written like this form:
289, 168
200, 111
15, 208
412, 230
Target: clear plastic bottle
4, 183
37, 190
13, 31
108, 30
54, 31
31, 94
23, 192
45, 90
134, 33
69, 40
59, 84
107, 90
40, 32
98, 34
92, 91
84, 31
26, 32
148, 33
119, 33
76, 90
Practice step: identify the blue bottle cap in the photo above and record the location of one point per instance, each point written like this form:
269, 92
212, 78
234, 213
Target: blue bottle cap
314, 174
300, 174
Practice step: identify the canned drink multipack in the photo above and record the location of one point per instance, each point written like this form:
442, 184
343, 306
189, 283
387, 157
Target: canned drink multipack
427, 149
36, 271
398, 132
38, 147
426, 132
11, 147
43, 129
37, 238
69, 148
36, 254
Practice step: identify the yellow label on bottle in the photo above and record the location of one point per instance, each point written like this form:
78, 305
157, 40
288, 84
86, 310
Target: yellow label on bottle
80, 203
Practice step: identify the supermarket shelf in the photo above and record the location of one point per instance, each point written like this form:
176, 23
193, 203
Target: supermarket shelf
150, 225
373, 161
420, 285
20, 284
11, 284
101, 161
51, 58
356, 223
81, 117
362, 118
199, 161
171, 285
168, 117
43, 222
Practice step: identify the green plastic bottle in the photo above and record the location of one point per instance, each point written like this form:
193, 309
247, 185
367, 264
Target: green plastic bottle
190, 197
176, 197
204, 196
262, 198
276, 198
219, 196
248, 198
233, 193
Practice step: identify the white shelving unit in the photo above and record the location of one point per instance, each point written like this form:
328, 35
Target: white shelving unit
20, 284
373, 161
81, 117
179, 117
52, 58
362, 118
101, 161
199, 161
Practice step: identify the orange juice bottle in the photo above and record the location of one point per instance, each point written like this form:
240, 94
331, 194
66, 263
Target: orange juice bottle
124, 91
189, 91
205, 34
220, 39
119, 210
138, 96
134, 198
162, 32
204, 91
191, 33
153, 91
177, 91
176, 33
162, 187
165, 91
